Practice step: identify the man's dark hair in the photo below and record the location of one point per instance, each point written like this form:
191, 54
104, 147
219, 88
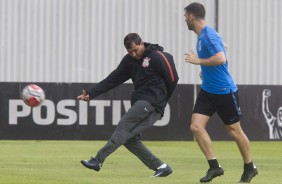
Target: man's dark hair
131, 38
196, 9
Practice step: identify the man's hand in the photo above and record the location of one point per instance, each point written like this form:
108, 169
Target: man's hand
266, 93
84, 96
192, 58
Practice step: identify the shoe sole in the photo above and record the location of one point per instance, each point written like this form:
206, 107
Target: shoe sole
84, 163
207, 181
250, 179
164, 174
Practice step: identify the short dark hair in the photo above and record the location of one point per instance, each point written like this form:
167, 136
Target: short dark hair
196, 9
131, 38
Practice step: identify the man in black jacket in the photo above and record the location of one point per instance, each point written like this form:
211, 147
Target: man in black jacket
154, 77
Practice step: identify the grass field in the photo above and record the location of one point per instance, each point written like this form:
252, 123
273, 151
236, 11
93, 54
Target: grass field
57, 162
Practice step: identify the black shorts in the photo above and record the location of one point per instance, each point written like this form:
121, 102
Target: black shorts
226, 105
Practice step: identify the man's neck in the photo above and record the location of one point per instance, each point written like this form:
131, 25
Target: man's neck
199, 26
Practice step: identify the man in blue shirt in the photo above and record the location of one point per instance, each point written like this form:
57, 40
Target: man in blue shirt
218, 94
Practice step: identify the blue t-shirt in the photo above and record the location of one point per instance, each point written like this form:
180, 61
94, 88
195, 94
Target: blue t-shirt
215, 79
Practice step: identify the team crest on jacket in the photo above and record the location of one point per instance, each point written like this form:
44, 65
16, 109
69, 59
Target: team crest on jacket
146, 62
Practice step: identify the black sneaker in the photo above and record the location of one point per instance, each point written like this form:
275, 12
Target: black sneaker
211, 174
93, 163
247, 176
163, 170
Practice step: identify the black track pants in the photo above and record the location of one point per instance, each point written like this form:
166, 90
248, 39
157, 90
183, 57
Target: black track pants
139, 117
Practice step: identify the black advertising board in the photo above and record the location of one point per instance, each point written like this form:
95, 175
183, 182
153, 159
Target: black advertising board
62, 117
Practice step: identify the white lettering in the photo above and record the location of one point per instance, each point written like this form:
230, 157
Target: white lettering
116, 111
14, 113
47, 112
127, 105
100, 110
71, 114
83, 113
50, 114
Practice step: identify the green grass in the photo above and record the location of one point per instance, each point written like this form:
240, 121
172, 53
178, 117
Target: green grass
57, 162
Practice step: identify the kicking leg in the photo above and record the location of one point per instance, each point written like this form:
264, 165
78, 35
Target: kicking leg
136, 147
126, 129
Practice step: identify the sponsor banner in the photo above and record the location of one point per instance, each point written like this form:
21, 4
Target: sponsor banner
61, 116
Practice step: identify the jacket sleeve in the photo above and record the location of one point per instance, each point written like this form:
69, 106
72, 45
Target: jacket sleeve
166, 68
115, 78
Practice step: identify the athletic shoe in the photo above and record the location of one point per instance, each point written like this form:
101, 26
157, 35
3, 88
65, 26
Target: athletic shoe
247, 176
93, 163
163, 170
211, 174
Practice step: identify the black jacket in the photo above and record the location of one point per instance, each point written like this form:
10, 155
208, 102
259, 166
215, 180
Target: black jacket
154, 77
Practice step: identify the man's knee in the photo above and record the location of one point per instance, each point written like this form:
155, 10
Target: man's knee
120, 137
195, 127
198, 123
235, 130
132, 140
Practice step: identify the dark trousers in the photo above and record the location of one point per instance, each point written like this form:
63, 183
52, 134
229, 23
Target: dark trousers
139, 117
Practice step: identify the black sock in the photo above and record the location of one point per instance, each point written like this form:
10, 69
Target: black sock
248, 166
213, 163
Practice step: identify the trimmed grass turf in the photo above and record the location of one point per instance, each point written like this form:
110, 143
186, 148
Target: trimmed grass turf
58, 162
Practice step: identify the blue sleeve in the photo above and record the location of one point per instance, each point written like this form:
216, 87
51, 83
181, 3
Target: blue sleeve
213, 43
